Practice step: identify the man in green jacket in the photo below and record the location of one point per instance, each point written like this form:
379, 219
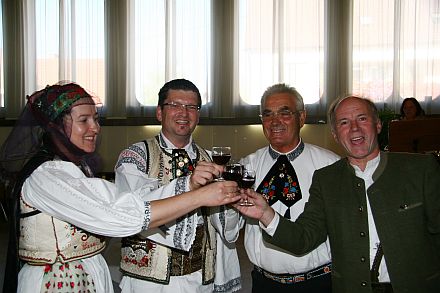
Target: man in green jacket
381, 211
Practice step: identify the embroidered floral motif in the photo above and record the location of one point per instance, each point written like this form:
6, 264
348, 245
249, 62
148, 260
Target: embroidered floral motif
181, 163
67, 277
139, 257
281, 184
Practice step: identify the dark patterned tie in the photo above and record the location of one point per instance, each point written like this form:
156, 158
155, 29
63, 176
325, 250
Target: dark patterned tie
181, 163
281, 184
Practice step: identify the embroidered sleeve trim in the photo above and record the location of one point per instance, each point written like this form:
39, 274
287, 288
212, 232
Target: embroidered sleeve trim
231, 286
222, 218
184, 225
147, 215
133, 155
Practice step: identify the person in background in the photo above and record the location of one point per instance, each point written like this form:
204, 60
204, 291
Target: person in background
284, 171
155, 261
59, 212
380, 211
411, 110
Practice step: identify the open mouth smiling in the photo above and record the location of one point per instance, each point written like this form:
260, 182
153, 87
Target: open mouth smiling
357, 140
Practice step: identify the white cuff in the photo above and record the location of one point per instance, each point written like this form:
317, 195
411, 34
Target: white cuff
272, 227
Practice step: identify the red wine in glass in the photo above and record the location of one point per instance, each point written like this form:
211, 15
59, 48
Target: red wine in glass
232, 176
246, 182
233, 173
221, 159
221, 156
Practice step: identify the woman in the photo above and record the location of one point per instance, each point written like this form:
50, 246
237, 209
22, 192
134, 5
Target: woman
411, 109
61, 213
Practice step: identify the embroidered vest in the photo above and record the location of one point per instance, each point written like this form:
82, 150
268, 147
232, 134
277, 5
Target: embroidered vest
46, 240
147, 260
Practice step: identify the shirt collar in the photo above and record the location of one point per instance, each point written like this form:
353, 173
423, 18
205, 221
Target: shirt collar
169, 146
292, 155
369, 168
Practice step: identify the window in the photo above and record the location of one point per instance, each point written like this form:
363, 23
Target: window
65, 41
171, 39
281, 41
124, 51
373, 39
396, 47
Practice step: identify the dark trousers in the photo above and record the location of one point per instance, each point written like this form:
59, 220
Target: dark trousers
261, 284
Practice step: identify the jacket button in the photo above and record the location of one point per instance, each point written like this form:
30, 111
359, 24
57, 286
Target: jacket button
362, 259
404, 206
358, 185
362, 234
361, 209
364, 284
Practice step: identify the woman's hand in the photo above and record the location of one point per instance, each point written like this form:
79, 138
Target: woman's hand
218, 193
214, 194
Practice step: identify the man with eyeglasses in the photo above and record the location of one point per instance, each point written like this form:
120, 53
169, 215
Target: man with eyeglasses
153, 261
284, 171
380, 210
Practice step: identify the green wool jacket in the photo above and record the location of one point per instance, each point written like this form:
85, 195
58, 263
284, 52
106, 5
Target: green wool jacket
405, 202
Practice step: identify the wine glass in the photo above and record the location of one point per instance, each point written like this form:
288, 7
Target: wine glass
221, 156
233, 172
246, 182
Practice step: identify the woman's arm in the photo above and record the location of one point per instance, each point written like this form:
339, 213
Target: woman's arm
213, 194
61, 190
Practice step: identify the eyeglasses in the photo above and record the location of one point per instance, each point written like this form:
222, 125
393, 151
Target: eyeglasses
176, 106
283, 114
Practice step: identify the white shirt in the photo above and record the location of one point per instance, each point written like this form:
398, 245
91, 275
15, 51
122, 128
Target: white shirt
227, 271
61, 190
268, 256
367, 176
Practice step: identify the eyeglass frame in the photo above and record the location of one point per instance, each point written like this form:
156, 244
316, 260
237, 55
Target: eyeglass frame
270, 115
178, 106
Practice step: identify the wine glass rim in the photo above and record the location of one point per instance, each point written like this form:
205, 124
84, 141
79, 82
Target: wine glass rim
248, 170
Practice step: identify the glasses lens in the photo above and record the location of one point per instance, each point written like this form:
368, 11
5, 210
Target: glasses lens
176, 106
283, 114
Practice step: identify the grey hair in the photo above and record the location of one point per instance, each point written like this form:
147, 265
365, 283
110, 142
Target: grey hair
282, 88
334, 106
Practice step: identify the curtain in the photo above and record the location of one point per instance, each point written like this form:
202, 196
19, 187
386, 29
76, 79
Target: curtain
396, 47
2, 90
13, 48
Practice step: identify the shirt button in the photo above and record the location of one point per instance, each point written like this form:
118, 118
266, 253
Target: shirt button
364, 284
362, 259
362, 234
